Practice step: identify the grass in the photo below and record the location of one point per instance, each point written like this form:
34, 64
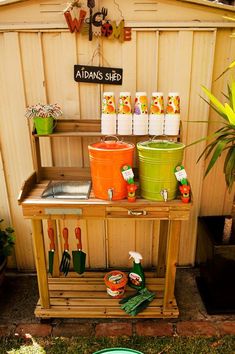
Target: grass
146, 345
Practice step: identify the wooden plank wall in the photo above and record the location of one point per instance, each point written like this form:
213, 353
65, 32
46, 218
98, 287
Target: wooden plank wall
41, 70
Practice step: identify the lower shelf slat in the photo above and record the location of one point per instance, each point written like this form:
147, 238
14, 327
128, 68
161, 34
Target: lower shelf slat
87, 298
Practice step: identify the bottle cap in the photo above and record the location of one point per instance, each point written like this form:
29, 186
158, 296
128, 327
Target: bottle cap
173, 94
108, 93
157, 93
125, 93
136, 256
141, 93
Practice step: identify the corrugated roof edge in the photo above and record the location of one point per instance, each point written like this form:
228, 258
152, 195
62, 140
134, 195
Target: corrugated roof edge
196, 2
9, 2
210, 4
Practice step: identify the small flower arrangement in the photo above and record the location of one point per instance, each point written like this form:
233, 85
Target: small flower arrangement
43, 111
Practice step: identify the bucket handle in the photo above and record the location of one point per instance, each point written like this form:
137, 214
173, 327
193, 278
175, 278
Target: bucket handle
155, 136
110, 136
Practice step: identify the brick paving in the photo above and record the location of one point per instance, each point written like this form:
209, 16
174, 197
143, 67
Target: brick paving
20, 295
124, 328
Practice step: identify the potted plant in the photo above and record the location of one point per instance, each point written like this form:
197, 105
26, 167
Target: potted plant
216, 234
223, 139
44, 116
7, 241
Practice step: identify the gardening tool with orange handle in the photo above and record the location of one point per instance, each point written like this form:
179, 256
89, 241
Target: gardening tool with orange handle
51, 250
79, 257
65, 261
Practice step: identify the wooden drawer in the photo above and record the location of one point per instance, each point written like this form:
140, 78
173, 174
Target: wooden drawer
138, 212
61, 212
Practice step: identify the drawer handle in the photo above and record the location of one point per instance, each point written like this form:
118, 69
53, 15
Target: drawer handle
137, 212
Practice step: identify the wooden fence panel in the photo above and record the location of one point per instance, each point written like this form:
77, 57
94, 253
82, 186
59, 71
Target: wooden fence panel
165, 68
198, 110
15, 141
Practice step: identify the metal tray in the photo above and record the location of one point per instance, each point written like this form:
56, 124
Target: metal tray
67, 190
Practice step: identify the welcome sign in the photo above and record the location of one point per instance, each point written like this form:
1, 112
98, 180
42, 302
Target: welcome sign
98, 74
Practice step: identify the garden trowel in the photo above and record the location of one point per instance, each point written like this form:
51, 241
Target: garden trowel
51, 250
65, 261
79, 257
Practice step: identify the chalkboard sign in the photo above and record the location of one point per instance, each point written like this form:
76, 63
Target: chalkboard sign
98, 74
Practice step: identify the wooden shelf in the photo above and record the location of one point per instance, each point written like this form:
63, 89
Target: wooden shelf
86, 297
84, 134
88, 128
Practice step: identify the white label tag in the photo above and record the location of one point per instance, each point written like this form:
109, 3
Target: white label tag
128, 174
181, 175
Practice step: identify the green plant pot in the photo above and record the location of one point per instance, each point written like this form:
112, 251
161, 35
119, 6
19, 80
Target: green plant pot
44, 126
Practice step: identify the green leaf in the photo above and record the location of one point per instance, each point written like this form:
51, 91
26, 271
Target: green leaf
232, 98
229, 168
216, 109
214, 100
218, 150
230, 114
209, 137
227, 69
206, 152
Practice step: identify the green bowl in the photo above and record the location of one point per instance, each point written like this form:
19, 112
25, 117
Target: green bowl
117, 351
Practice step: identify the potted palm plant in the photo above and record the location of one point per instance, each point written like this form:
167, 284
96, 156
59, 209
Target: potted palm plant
7, 241
223, 139
216, 234
44, 116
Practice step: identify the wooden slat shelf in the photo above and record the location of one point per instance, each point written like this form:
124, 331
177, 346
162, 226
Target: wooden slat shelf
87, 298
89, 128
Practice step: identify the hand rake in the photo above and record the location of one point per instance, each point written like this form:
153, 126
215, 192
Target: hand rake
65, 261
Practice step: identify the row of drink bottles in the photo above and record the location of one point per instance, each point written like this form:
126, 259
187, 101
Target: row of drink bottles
142, 121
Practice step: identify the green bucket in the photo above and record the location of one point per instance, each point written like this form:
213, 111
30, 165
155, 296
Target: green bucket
44, 125
157, 161
117, 351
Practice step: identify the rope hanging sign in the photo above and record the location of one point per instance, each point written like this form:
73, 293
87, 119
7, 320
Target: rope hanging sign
98, 74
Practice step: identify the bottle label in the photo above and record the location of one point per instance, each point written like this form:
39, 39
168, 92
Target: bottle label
127, 173
135, 279
181, 174
115, 293
108, 103
124, 104
173, 104
157, 105
141, 105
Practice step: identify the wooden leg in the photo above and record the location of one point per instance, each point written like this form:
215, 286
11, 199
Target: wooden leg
161, 264
172, 257
40, 261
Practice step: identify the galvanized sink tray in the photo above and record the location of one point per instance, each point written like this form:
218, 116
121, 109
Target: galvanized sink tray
67, 190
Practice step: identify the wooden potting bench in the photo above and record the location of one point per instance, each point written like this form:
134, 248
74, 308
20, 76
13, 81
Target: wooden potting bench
85, 296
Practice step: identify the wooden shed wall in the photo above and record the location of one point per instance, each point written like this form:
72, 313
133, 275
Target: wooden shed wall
36, 65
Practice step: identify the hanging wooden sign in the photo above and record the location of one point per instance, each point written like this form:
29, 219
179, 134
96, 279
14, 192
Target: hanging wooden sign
98, 74
97, 24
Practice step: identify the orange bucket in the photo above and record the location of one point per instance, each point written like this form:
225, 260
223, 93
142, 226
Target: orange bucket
115, 282
107, 157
